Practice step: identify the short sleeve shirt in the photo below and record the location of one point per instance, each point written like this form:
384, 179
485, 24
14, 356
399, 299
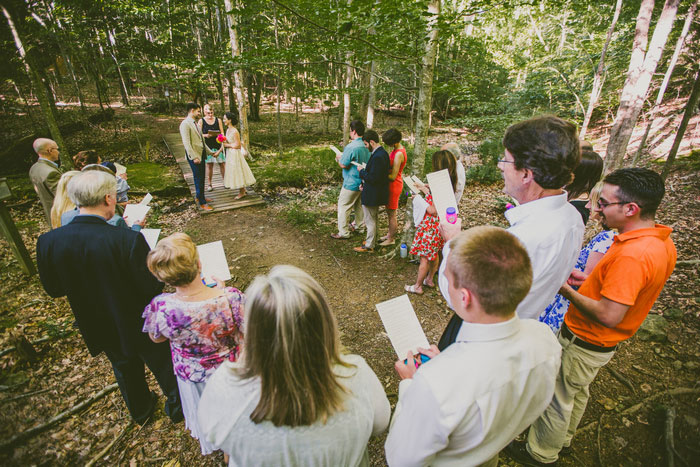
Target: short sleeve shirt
633, 272
354, 151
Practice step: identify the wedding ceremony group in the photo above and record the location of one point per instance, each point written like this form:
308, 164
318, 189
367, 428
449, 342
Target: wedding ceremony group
260, 374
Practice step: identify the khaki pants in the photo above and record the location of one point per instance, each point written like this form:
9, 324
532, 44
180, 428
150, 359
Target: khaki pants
348, 200
371, 214
557, 425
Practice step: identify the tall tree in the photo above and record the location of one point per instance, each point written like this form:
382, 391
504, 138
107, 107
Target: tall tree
239, 82
638, 78
667, 77
690, 108
425, 88
599, 74
45, 101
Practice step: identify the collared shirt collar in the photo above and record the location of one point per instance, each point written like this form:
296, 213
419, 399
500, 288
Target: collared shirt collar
375, 149
49, 161
477, 332
546, 204
659, 230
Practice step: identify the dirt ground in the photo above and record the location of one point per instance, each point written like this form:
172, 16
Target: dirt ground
623, 425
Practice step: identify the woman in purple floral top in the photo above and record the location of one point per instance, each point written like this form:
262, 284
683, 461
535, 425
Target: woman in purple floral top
203, 324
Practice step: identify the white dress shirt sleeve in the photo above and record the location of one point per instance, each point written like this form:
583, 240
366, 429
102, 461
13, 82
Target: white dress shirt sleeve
442, 279
416, 433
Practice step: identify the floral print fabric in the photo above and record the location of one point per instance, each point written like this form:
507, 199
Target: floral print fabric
553, 316
427, 241
202, 334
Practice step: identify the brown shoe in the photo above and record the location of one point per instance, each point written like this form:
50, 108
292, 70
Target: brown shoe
363, 249
206, 207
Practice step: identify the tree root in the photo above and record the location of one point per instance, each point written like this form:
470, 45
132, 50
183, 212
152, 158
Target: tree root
11, 349
635, 408
621, 378
22, 396
58, 418
106, 449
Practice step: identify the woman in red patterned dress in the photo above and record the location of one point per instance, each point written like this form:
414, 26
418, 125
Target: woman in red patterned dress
397, 158
428, 242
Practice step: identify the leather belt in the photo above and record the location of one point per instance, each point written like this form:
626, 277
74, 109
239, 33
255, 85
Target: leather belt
566, 332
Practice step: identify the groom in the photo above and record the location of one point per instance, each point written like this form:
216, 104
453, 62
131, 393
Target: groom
195, 151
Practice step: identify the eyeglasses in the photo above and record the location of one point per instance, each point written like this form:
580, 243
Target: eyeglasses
604, 204
505, 161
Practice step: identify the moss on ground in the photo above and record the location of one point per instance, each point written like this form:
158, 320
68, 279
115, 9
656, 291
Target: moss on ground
152, 177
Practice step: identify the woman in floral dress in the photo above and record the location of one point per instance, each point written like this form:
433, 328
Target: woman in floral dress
203, 324
428, 242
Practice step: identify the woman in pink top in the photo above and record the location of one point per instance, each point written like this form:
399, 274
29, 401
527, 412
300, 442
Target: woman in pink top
392, 138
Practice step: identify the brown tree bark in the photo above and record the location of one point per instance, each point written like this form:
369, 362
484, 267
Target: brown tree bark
638, 78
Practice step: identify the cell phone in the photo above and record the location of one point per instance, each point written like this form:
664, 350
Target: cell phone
421, 357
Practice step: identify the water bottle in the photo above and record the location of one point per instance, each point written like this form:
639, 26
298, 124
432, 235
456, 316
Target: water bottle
451, 214
404, 250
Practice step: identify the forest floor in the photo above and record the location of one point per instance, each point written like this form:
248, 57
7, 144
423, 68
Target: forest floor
624, 419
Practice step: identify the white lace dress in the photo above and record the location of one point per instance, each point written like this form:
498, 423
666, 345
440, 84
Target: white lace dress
238, 174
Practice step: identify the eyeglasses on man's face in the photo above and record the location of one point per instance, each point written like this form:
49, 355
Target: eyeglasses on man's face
505, 161
602, 204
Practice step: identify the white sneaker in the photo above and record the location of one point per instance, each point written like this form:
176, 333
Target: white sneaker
211, 188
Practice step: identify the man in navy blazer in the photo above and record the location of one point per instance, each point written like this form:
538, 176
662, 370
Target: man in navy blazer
375, 187
102, 270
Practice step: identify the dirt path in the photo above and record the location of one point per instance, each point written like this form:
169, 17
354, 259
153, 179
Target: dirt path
354, 282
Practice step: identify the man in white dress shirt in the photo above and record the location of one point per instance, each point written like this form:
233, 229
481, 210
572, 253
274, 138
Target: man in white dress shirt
540, 157
467, 403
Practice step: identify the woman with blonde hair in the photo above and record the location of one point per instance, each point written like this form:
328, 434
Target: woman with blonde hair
590, 255
62, 202
202, 324
294, 398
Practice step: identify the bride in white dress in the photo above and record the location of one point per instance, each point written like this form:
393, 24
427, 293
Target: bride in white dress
237, 175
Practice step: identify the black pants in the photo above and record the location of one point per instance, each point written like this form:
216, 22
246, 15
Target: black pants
198, 172
131, 377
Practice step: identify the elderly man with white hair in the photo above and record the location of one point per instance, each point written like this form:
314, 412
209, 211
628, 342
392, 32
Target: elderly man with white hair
461, 173
45, 173
102, 270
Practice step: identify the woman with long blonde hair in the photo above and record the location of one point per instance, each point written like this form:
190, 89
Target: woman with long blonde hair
61, 202
294, 398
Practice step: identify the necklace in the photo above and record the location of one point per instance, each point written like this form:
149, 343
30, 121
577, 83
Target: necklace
191, 295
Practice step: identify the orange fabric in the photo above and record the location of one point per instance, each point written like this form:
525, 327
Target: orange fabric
633, 272
396, 186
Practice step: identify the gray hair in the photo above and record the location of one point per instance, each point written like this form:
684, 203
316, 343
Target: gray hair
453, 148
90, 188
40, 144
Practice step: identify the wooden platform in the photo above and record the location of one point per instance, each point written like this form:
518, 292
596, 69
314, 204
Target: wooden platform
222, 198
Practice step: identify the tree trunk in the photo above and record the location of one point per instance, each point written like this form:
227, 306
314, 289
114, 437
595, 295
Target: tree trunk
111, 40
346, 99
690, 107
638, 80
598, 78
254, 91
277, 87
238, 73
41, 94
425, 89
667, 78
232, 107
372, 94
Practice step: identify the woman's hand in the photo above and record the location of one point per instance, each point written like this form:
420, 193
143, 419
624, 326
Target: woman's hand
219, 283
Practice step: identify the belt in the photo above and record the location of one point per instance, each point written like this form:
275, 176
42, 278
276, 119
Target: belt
566, 332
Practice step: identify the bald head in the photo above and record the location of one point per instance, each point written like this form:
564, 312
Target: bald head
46, 148
453, 148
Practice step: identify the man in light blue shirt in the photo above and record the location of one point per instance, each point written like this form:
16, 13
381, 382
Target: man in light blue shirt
349, 198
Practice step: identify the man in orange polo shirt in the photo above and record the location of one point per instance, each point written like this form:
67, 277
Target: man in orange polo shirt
611, 304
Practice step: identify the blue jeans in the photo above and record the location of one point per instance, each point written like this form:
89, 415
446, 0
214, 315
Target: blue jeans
198, 171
